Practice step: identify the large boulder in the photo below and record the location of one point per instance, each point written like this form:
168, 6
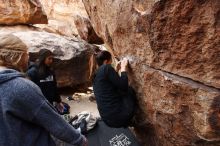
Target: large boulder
173, 48
63, 28
177, 36
179, 109
21, 12
69, 18
73, 65
18, 28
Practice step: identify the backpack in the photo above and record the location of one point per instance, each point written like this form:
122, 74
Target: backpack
84, 120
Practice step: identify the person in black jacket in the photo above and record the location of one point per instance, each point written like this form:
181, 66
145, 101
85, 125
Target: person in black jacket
42, 75
116, 100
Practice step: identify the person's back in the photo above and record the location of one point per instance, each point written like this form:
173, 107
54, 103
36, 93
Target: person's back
107, 94
17, 93
115, 103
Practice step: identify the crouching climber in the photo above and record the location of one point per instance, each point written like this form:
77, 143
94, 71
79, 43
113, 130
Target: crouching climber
26, 117
116, 100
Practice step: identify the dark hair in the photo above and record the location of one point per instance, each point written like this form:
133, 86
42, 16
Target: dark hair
102, 56
42, 55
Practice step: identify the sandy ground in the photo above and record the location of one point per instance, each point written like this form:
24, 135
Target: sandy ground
81, 102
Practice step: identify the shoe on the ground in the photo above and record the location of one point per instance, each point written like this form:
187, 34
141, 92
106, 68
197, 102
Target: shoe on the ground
69, 98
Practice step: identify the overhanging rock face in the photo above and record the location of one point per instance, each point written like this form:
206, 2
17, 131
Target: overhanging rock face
174, 50
69, 18
21, 12
177, 36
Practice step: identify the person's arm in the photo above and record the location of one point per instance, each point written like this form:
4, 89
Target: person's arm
118, 66
32, 106
56, 125
121, 82
32, 74
57, 97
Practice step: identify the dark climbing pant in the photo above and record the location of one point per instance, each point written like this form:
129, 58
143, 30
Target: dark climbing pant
127, 110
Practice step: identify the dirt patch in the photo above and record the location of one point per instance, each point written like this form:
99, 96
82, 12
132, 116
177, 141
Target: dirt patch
81, 102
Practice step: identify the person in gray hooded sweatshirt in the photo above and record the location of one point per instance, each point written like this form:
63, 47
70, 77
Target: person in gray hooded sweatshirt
26, 117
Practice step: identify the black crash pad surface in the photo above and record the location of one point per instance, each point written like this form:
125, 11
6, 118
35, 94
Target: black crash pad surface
102, 135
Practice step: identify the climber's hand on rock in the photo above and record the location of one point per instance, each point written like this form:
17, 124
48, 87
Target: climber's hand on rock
118, 66
124, 64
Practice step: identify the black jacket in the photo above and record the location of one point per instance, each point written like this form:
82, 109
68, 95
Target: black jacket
46, 82
108, 88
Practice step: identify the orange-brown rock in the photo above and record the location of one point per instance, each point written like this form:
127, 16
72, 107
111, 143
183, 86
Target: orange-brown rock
59, 27
179, 109
21, 12
173, 48
18, 28
86, 31
177, 36
69, 18
73, 65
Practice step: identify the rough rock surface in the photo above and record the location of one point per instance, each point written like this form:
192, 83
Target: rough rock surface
86, 31
69, 18
74, 58
16, 28
21, 12
177, 36
179, 109
174, 50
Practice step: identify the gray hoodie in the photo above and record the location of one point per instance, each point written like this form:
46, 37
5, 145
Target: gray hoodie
27, 118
